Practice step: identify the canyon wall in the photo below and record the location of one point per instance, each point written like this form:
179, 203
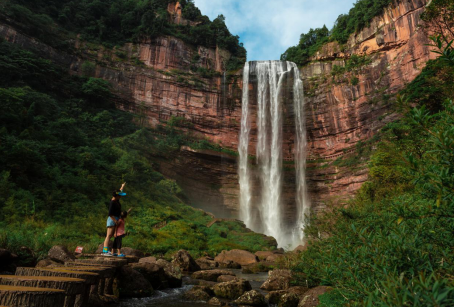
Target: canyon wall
163, 78
352, 107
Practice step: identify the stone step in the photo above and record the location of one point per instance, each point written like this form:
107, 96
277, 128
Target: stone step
72, 286
104, 272
88, 264
89, 277
115, 263
31, 296
130, 259
92, 279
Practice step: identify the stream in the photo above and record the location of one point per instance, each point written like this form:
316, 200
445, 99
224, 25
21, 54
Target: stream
174, 297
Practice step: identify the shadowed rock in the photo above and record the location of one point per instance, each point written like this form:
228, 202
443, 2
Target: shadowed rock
60, 254
206, 263
198, 293
185, 262
133, 284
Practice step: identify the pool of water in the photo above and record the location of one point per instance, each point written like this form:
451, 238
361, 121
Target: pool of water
174, 297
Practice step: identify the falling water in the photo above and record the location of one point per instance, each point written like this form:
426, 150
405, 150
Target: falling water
271, 77
243, 171
302, 200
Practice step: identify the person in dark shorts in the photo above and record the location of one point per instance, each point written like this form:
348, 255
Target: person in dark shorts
112, 219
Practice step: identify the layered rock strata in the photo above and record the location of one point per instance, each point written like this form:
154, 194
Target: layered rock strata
155, 81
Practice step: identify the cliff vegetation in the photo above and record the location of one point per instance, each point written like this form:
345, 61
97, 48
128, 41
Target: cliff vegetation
357, 18
116, 22
66, 148
392, 245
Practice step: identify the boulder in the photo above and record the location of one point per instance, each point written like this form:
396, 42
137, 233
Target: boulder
211, 275
206, 283
274, 297
241, 257
262, 255
7, 261
251, 298
206, 263
289, 300
301, 248
258, 267
310, 298
172, 273
148, 260
277, 280
60, 254
298, 290
230, 265
133, 284
224, 278
132, 252
153, 273
232, 289
198, 293
45, 263
215, 302
274, 257
185, 262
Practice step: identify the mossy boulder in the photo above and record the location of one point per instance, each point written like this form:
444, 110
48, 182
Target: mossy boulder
232, 289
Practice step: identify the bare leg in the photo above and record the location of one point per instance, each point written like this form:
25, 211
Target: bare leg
110, 232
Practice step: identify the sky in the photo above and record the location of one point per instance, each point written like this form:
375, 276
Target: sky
268, 27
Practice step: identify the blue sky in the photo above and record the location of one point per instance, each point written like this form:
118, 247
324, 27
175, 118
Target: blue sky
268, 27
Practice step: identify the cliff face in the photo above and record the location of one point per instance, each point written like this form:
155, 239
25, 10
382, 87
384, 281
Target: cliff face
153, 79
352, 106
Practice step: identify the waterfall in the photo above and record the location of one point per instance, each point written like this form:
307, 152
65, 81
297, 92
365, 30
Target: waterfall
243, 169
271, 77
302, 200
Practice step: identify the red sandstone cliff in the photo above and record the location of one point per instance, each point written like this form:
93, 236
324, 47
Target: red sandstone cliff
341, 114
153, 80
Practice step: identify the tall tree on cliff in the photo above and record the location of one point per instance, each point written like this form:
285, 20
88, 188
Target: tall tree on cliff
439, 19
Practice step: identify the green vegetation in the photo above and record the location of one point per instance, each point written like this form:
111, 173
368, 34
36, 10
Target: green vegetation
65, 148
115, 22
359, 17
393, 245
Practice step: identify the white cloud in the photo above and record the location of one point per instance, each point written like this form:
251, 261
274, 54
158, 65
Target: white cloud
267, 28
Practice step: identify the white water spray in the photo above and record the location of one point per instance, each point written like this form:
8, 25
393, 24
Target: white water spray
271, 77
243, 169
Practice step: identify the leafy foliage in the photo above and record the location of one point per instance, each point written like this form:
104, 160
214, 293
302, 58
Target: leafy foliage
115, 22
358, 17
393, 244
309, 44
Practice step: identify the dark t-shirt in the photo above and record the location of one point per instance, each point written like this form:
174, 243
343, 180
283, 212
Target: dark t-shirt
115, 208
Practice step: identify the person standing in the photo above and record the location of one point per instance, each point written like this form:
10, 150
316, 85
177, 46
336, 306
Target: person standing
120, 233
113, 218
